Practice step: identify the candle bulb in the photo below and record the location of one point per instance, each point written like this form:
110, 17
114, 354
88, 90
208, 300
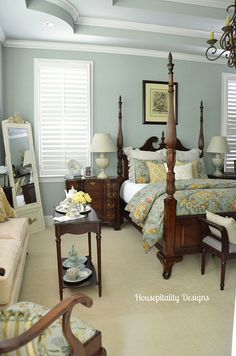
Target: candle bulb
212, 35
228, 21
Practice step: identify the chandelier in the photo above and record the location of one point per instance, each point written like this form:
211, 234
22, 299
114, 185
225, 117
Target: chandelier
227, 40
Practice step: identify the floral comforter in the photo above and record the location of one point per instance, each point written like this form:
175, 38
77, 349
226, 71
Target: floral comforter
193, 196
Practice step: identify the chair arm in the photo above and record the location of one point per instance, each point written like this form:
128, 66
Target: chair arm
63, 308
223, 232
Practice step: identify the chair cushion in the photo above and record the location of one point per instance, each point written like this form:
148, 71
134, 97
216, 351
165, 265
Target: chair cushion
228, 223
16, 229
10, 254
209, 240
21, 316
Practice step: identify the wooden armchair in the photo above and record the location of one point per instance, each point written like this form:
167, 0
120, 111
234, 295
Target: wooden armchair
44, 326
217, 244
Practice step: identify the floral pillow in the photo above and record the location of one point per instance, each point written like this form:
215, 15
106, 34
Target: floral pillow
141, 170
6, 210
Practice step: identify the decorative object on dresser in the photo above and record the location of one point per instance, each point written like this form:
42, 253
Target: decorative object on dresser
227, 40
102, 143
26, 196
104, 194
218, 145
155, 102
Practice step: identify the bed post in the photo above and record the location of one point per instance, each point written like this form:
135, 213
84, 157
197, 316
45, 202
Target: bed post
201, 135
167, 254
119, 140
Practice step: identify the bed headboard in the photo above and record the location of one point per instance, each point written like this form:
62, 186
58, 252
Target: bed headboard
153, 143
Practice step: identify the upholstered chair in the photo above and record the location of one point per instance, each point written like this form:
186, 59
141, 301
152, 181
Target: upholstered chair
32, 329
219, 232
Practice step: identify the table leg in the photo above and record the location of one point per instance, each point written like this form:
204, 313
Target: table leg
59, 268
98, 238
89, 245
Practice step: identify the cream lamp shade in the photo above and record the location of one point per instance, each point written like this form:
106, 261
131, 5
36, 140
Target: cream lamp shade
27, 162
218, 145
102, 143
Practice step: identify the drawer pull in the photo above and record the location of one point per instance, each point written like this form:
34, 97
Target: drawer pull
92, 183
31, 221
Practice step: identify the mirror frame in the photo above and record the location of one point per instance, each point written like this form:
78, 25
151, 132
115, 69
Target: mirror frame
24, 210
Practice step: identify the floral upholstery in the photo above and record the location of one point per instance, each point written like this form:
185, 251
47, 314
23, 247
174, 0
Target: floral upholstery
21, 316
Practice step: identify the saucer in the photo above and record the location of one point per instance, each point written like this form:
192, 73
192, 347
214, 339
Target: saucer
67, 263
86, 273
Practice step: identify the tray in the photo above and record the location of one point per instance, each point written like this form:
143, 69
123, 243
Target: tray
78, 279
61, 209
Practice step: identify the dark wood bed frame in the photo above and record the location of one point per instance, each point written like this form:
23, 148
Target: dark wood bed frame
182, 234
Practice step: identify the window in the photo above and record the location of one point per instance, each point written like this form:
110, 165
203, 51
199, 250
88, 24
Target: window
63, 99
228, 127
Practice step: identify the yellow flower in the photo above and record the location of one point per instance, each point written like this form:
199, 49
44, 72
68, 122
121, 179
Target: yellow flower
82, 198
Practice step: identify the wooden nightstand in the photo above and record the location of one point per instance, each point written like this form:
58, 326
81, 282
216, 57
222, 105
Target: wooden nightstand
226, 175
105, 197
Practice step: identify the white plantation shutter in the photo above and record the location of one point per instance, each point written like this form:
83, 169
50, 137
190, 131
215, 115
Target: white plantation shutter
63, 114
229, 118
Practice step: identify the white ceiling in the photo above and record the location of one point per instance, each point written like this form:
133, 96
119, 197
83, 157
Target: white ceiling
180, 26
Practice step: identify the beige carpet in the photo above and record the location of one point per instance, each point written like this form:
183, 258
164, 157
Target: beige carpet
130, 326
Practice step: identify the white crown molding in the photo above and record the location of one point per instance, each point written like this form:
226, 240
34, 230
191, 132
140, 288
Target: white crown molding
221, 4
68, 7
63, 46
2, 36
143, 27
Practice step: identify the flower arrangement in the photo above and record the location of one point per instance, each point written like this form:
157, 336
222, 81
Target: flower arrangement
81, 198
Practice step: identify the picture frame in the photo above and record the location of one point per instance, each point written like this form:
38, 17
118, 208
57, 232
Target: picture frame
155, 102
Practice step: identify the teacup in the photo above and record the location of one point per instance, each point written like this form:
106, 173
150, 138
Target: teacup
72, 273
83, 273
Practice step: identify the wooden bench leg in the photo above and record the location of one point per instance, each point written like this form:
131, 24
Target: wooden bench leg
203, 260
222, 274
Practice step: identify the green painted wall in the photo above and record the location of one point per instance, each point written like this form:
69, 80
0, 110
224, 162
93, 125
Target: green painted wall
116, 75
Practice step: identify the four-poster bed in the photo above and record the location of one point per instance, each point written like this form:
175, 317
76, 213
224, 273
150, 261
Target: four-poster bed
182, 234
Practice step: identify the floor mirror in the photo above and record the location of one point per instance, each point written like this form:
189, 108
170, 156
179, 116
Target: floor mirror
22, 172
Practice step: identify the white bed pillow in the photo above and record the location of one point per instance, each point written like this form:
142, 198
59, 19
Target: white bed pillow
136, 153
182, 172
228, 223
190, 155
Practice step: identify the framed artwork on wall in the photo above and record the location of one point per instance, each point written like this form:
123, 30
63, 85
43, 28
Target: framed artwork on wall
155, 102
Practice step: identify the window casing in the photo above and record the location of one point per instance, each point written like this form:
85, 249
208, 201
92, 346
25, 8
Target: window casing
228, 125
63, 115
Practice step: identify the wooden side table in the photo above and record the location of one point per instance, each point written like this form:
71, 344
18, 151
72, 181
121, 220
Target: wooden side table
87, 224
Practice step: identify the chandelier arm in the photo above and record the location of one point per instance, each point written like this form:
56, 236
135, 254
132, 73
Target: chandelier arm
211, 51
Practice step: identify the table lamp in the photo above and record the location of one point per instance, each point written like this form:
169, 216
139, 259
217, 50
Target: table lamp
27, 163
102, 143
218, 145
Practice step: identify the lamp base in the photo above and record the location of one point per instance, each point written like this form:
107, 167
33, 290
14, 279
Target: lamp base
217, 173
102, 162
218, 164
102, 174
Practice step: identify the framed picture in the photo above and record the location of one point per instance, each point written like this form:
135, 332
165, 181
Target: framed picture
155, 102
